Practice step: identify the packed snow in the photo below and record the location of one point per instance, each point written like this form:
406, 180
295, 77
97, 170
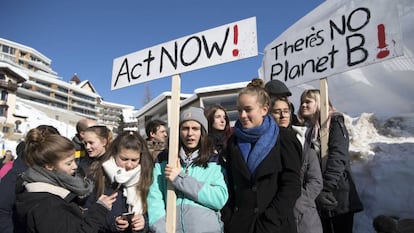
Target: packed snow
34, 119
383, 166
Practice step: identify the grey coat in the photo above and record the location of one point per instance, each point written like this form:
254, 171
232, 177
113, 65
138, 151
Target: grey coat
306, 214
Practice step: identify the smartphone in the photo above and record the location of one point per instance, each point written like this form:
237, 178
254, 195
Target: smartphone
128, 216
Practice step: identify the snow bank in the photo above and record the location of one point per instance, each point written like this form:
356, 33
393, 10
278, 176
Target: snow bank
383, 166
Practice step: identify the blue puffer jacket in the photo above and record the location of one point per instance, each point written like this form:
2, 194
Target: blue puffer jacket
201, 193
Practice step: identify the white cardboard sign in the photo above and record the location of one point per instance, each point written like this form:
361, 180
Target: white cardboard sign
230, 42
335, 37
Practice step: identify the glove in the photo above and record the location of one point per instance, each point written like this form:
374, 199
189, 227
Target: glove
326, 200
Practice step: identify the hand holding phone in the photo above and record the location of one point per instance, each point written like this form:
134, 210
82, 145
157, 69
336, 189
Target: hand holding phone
128, 216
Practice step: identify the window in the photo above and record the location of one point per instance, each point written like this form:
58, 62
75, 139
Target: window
2, 77
5, 129
16, 126
4, 94
5, 49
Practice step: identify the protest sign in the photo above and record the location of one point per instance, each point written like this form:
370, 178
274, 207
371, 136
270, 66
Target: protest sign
219, 45
223, 44
346, 35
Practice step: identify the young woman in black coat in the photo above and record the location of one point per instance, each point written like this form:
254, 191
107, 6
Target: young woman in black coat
126, 169
339, 200
8, 195
48, 191
263, 165
219, 129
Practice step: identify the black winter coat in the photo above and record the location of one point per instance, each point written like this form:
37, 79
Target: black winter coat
7, 191
118, 207
337, 177
265, 202
38, 212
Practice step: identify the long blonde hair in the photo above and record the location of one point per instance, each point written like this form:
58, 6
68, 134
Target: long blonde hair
316, 96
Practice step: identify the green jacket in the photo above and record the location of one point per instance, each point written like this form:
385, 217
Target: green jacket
201, 193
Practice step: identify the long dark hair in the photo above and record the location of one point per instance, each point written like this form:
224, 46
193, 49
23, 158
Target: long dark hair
205, 146
209, 112
131, 140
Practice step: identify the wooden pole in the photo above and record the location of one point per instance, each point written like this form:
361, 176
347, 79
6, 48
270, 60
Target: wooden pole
173, 118
324, 131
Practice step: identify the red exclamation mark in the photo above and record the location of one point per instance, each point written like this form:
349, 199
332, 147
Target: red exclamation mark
235, 39
382, 45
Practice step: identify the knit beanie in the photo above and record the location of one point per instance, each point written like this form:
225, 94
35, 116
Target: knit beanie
194, 114
277, 87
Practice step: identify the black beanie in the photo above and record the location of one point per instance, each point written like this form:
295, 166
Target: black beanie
278, 88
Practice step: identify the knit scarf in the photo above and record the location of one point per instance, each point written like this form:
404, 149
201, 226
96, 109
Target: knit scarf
188, 159
128, 180
82, 187
256, 143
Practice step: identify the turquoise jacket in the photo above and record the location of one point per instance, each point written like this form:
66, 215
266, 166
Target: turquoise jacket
201, 193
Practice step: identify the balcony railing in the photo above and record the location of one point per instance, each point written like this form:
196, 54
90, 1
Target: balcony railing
8, 85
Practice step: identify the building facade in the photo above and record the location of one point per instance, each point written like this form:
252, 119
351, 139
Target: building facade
225, 95
10, 79
43, 88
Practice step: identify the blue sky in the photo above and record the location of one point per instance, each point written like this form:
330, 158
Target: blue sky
84, 37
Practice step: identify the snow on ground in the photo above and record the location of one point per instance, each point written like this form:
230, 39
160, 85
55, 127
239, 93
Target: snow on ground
383, 166
34, 119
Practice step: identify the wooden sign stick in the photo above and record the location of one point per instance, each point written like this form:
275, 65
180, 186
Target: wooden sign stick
173, 118
324, 131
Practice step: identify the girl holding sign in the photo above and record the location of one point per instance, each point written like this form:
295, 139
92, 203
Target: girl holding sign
263, 165
198, 179
339, 199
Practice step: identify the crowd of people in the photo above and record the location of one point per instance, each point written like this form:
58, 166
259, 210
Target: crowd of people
264, 174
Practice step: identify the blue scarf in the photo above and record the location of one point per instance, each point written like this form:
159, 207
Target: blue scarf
262, 139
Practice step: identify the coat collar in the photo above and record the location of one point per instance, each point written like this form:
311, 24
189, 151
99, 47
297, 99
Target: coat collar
266, 167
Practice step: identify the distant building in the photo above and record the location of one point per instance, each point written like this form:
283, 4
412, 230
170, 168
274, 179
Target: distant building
10, 79
157, 108
225, 95
109, 113
28, 77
